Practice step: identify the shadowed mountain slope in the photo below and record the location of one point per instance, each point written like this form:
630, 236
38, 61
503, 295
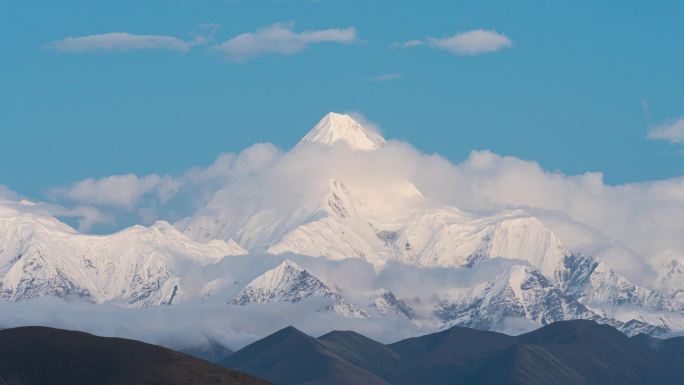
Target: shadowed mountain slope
289, 356
567, 352
363, 352
40, 355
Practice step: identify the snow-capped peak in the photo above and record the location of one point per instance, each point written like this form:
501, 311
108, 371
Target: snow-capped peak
336, 127
283, 273
286, 282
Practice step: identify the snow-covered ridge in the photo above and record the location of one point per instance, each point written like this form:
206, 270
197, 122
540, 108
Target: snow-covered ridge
288, 282
139, 266
523, 293
334, 128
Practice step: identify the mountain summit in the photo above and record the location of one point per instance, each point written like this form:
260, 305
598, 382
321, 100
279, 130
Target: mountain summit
288, 282
336, 127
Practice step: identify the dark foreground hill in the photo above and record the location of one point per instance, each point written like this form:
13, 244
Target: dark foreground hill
563, 353
292, 357
41, 356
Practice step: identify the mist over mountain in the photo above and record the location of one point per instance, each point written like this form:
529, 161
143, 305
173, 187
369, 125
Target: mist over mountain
346, 230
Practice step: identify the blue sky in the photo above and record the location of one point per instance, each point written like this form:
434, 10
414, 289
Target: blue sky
578, 89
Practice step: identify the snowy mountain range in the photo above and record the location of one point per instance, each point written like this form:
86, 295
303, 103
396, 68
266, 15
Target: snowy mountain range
514, 267
139, 266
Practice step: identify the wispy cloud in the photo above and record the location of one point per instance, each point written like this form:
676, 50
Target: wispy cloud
408, 44
475, 42
8, 194
205, 33
119, 42
118, 190
645, 107
386, 77
280, 39
671, 132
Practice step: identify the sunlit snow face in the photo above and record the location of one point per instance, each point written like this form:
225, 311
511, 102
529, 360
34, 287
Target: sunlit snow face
340, 128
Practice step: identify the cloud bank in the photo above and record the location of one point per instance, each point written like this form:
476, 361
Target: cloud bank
195, 323
281, 39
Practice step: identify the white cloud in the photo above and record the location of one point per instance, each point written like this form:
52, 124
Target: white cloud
118, 190
280, 39
131, 198
644, 217
119, 42
87, 217
408, 44
386, 77
228, 167
672, 132
7, 194
474, 42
